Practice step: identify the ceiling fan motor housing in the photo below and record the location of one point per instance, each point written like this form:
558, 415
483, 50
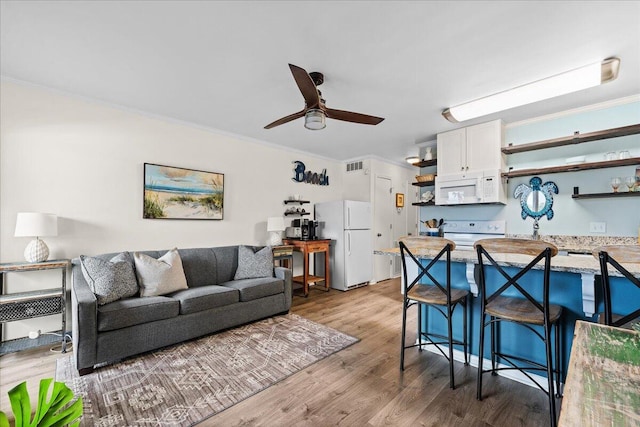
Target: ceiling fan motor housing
318, 78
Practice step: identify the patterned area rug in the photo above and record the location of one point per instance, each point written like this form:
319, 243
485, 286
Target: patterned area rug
184, 384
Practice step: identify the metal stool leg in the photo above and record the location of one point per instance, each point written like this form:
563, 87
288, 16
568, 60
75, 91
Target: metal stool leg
558, 358
404, 331
494, 326
480, 356
465, 307
550, 371
450, 340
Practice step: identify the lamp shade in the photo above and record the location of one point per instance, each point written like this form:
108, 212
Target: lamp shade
32, 224
275, 223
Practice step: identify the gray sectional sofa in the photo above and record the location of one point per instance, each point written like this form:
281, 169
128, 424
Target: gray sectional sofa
212, 302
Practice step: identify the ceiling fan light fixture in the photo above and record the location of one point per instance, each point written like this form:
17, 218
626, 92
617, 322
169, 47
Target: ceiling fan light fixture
315, 119
561, 84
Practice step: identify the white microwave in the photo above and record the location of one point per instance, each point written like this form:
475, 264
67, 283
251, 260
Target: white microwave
471, 188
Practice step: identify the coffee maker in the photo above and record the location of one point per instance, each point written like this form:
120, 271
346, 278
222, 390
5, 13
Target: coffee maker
304, 229
309, 229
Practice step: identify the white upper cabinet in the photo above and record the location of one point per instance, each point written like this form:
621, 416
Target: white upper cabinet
471, 149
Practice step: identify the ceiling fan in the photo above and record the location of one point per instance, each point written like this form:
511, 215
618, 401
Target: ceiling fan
315, 111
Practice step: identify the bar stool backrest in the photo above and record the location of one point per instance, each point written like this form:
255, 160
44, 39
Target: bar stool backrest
435, 247
539, 250
615, 256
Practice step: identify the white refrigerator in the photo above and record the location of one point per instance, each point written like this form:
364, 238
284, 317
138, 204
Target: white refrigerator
348, 224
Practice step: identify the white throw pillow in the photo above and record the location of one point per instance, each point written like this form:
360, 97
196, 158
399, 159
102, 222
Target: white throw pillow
159, 276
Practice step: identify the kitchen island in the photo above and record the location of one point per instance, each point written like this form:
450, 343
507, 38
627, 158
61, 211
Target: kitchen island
574, 285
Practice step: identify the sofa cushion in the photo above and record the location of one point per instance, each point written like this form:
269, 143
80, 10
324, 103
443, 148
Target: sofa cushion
227, 262
251, 289
134, 311
110, 280
203, 298
253, 263
200, 266
159, 276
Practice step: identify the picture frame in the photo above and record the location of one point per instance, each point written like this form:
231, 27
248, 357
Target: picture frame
399, 200
172, 192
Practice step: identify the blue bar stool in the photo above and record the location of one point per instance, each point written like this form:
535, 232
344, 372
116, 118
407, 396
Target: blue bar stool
522, 309
438, 295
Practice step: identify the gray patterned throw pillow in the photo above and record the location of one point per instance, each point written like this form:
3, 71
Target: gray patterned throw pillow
252, 264
110, 280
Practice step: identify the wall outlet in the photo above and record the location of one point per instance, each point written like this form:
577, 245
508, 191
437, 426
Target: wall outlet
597, 227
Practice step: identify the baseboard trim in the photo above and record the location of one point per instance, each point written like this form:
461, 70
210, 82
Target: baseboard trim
458, 356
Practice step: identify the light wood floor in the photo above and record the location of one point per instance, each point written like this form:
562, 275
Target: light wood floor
359, 386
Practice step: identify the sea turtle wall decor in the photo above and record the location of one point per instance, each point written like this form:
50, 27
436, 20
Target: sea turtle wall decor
536, 200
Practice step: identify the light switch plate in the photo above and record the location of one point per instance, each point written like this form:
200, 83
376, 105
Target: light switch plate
597, 227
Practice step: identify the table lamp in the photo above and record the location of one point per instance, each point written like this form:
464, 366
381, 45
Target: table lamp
275, 226
31, 224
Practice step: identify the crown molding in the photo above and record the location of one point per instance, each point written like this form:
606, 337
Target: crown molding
592, 107
160, 117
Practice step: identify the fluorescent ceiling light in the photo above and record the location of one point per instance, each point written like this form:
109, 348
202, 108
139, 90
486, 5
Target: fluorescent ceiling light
560, 84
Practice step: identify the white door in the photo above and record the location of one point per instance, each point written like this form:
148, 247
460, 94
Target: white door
358, 257
383, 207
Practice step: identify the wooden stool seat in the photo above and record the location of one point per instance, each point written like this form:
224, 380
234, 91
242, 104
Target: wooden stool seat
521, 310
433, 295
602, 319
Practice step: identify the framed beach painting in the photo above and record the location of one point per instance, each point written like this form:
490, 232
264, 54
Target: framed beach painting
177, 193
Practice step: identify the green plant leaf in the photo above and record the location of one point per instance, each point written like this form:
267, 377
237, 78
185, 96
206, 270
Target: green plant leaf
21, 405
52, 409
4, 421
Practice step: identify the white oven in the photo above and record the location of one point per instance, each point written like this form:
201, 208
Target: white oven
470, 188
465, 233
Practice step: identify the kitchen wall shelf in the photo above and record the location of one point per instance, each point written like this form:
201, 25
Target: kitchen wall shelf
430, 203
423, 183
297, 213
572, 168
425, 163
301, 202
577, 138
605, 195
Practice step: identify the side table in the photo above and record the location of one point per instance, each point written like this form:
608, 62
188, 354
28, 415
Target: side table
308, 247
28, 305
283, 253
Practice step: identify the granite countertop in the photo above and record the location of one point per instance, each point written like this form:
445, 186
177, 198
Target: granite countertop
570, 264
580, 244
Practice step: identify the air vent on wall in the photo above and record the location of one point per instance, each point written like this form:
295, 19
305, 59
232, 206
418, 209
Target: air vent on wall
355, 166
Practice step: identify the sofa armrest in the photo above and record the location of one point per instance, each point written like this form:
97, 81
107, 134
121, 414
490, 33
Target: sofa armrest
84, 315
287, 275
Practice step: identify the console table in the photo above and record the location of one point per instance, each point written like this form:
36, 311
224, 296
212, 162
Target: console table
308, 247
28, 305
603, 381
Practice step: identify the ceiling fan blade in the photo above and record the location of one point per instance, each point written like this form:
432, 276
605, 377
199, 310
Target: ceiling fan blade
348, 116
306, 85
286, 119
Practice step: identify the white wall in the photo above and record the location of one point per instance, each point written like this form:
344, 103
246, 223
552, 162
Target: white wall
84, 162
